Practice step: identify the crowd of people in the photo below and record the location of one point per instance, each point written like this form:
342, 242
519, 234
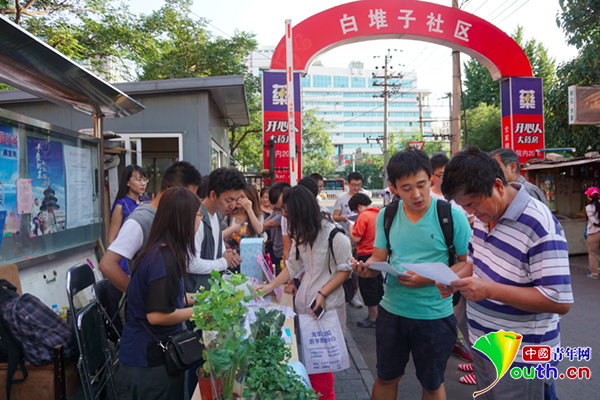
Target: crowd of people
474, 213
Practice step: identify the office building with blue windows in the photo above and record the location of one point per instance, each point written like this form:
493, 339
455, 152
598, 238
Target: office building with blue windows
353, 107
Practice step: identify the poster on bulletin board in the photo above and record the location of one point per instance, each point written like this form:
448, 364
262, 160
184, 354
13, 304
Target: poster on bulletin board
9, 173
78, 174
47, 174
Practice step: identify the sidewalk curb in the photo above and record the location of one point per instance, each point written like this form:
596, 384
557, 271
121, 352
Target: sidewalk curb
360, 363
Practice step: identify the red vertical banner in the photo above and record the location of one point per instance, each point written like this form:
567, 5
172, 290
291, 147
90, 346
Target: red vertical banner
275, 123
523, 116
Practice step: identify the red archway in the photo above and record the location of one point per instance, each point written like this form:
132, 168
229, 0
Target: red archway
407, 19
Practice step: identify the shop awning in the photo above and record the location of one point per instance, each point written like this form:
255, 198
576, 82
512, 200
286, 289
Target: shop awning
569, 162
34, 67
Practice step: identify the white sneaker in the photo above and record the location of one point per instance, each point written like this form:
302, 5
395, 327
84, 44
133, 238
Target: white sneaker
355, 302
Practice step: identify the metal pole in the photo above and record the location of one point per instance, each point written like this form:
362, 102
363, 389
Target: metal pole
385, 121
456, 133
271, 143
98, 133
290, 101
421, 114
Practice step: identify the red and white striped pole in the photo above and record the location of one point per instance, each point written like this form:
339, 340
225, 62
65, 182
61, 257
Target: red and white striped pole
290, 101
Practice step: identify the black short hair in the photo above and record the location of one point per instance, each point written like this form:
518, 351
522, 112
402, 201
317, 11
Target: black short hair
438, 161
180, 173
277, 190
224, 179
359, 199
507, 156
471, 171
203, 188
406, 163
310, 184
317, 177
354, 176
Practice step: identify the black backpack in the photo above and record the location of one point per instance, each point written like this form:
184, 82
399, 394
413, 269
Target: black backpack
444, 211
11, 350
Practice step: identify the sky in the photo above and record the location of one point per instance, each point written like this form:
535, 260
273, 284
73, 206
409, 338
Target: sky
431, 62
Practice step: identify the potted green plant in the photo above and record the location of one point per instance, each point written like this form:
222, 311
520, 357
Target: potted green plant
219, 313
270, 377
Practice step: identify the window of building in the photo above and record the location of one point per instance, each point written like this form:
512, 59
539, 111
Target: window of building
321, 81
406, 84
340, 81
357, 82
305, 81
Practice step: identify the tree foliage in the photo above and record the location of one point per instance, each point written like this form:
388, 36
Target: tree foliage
317, 150
580, 21
167, 43
479, 86
371, 170
484, 127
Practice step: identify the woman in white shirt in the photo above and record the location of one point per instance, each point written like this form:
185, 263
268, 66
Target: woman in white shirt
309, 228
593, 230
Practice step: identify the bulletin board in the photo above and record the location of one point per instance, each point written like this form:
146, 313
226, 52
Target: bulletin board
49, 188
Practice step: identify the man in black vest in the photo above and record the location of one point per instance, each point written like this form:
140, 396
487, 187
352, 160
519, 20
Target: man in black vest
225, 186
134, 232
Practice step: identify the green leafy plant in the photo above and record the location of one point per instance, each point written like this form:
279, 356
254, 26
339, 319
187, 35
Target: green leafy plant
270, 377
267, 323
219, 312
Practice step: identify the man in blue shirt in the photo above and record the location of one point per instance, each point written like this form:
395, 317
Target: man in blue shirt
412, 316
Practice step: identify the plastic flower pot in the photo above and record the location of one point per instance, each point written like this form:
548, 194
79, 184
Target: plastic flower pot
209, 389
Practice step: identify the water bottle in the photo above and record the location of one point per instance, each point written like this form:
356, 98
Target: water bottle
63, 313
55, 309
244, 230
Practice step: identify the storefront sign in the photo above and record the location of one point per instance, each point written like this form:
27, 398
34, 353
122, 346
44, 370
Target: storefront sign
275, 122
522, 116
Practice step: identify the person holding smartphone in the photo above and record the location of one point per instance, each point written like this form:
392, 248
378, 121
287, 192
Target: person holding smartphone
325, 270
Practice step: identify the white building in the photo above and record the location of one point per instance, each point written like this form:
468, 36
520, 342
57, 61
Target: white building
347, 100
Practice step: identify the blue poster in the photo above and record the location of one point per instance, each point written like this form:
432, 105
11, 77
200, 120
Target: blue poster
47, 173
2, 221
9, 173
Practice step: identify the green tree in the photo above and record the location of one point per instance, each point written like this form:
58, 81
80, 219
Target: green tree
317, 150
479, 86
165, 44
485, 127
370, 170
182, 47
399, 142
580, 22
246, 142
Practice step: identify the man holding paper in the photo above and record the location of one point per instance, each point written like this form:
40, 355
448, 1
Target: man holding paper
517, 273
412, 317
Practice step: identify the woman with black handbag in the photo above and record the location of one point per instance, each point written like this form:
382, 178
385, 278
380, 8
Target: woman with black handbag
156, 298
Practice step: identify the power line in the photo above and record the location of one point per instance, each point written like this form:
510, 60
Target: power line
482, 4
506, 9
526, 1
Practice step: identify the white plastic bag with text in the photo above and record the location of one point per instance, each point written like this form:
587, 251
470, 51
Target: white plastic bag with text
323, 343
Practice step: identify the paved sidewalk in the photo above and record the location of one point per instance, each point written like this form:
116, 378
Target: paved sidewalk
357, 381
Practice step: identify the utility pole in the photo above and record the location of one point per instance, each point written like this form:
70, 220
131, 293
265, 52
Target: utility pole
455, 118
394, 87
421, 115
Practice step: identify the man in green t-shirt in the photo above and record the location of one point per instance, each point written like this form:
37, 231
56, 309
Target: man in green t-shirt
412, 316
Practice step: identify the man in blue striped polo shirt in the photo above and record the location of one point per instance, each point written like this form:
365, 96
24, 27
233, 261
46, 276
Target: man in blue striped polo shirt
517, 273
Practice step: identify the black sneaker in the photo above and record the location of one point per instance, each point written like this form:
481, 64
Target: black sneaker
366, 323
